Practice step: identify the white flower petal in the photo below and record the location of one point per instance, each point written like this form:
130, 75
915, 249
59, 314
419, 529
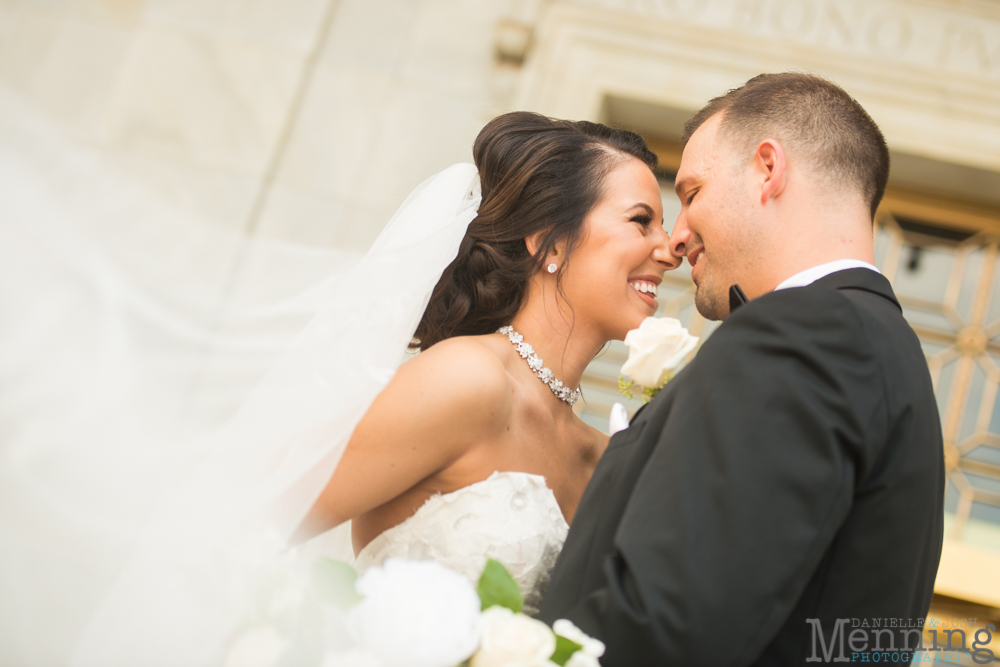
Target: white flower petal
416, 614
352, 658
257, 647
591, 646
513, 640
581, 659
656, 349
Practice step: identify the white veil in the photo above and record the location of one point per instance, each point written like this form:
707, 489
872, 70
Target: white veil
137, 501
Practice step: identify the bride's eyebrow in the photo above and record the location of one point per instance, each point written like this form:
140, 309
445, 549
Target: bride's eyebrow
647, 207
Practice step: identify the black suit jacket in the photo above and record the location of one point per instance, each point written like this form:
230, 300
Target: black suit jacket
793, 470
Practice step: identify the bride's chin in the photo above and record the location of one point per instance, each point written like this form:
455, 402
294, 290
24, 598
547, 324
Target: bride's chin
633, 323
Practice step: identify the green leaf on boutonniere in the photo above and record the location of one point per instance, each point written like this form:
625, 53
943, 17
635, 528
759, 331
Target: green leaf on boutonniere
334, 581
497, 587
565, 648
627, 388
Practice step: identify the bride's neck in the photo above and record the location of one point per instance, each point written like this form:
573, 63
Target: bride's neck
565, 347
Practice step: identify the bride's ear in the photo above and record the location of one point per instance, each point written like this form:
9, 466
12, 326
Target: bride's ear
534, 242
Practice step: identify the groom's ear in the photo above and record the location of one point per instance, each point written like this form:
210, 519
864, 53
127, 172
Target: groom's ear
770, 165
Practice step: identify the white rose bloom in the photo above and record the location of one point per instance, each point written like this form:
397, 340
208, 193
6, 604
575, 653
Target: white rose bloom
655, 349
257, 647
581, 659
352, 658
514, 640
592, 648
416, 614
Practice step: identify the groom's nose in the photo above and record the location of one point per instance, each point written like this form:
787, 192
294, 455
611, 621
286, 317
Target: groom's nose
680, 237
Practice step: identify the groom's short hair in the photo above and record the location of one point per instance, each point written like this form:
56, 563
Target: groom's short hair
810, 116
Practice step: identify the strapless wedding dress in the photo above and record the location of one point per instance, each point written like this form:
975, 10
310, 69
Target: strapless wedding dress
511, 517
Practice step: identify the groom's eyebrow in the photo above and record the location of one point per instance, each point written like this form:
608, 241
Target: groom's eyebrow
679, 186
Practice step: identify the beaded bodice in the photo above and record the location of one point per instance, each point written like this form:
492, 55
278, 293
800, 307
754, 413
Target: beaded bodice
512, 517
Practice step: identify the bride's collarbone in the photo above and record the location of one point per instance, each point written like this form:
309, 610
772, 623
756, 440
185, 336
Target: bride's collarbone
564, 435
564, 455
540, 446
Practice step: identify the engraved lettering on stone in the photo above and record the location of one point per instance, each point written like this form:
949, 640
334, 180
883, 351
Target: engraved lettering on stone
844, 26
748, 13
668, 7
686, 6
795, 18
964, 42
890, 33
919, 32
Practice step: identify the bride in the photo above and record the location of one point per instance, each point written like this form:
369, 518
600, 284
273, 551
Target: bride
473, 449
137, 514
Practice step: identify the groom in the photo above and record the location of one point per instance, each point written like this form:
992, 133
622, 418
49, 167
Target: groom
781, 499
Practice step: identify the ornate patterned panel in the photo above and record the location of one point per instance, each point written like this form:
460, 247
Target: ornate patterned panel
946, 282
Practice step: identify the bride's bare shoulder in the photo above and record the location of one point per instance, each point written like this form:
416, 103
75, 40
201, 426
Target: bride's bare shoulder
467, 370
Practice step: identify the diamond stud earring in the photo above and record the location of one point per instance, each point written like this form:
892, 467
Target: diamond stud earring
551, 268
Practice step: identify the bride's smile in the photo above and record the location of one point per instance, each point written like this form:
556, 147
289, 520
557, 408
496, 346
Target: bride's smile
647, 288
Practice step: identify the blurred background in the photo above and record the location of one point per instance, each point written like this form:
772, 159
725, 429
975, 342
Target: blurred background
303, 124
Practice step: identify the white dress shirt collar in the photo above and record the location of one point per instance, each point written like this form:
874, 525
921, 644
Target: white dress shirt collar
809, 276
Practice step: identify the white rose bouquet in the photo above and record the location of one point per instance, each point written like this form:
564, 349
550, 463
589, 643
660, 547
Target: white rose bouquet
655, 350
410, 614
416, 613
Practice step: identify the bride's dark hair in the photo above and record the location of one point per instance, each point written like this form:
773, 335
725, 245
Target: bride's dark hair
537, 174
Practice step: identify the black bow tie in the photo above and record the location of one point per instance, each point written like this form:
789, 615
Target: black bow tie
736, 298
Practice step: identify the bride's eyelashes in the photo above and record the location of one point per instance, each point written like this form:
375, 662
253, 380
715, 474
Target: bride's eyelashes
642, 218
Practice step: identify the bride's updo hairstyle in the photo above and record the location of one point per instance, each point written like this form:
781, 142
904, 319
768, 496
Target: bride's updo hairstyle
537, 174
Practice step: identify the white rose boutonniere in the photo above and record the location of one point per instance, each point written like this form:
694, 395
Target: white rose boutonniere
655, 350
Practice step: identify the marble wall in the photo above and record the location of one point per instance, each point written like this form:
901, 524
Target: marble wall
310, 120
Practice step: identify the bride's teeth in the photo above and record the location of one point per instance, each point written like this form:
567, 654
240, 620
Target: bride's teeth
645, 288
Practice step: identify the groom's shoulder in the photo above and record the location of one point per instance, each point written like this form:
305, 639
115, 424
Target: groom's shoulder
801, 328
843, 301
794, 317
848, 321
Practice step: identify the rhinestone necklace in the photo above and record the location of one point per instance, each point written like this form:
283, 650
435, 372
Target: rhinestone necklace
535, 364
